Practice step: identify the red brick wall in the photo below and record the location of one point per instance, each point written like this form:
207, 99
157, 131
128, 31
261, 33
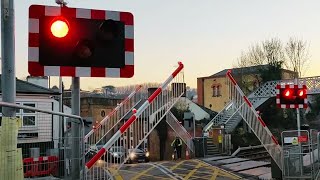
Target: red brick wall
154, 146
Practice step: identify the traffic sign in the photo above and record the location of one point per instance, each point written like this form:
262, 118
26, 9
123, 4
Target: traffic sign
79, 42
295, 141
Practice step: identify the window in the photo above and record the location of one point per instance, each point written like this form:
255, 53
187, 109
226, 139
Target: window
219, 90
216, 90
103, 113
29, 118
27, 135
18, 110
31, 105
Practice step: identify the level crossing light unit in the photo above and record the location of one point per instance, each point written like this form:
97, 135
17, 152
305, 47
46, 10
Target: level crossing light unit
78, 42
291, 96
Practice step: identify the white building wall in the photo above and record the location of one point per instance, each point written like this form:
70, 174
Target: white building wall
43, 120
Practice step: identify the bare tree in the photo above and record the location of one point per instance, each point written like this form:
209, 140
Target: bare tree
298, 55
256, 55
273, 51
267, 52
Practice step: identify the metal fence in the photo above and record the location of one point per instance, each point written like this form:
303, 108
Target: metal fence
300, 154
33, 145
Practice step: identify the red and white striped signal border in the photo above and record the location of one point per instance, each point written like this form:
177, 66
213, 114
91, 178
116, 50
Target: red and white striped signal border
291, 86
36, 69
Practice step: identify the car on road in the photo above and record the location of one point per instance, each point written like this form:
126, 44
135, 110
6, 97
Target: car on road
116, 154
138, 155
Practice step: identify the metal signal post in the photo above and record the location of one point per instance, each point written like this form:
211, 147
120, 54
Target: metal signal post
8, 58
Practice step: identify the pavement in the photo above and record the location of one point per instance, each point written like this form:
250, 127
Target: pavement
173, 170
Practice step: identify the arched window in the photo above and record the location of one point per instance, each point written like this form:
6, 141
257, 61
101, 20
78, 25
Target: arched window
216, 90
219, 90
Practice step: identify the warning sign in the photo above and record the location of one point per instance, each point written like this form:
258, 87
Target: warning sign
220, 139
295, 141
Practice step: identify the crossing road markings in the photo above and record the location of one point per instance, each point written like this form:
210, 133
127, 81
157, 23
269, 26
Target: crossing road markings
166, 171
214, 175
142, 173
178, 164
145, 175
221, 172
115, 174
193, 171
197, 169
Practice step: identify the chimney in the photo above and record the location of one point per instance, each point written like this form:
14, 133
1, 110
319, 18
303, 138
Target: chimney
40, 81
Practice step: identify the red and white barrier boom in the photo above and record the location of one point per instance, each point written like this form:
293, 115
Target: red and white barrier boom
113, 118
134, 131
252, 118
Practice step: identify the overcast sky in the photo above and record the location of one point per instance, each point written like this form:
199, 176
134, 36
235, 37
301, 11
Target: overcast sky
207, 35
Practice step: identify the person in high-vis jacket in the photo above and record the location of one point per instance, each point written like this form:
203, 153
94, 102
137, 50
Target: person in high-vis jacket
177, 144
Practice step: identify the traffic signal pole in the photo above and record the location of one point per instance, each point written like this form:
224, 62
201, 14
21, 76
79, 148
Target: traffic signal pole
75, 126
8, 82
11, 157
75, 129
299, 134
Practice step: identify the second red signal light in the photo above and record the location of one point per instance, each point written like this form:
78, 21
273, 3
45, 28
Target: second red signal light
301, 92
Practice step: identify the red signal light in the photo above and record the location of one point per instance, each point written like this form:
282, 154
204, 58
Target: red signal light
287, 93
59, 28
301, 93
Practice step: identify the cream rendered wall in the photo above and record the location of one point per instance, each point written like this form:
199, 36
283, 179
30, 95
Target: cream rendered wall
217, 103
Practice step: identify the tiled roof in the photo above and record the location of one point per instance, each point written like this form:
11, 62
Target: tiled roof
29, 88
244, 70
